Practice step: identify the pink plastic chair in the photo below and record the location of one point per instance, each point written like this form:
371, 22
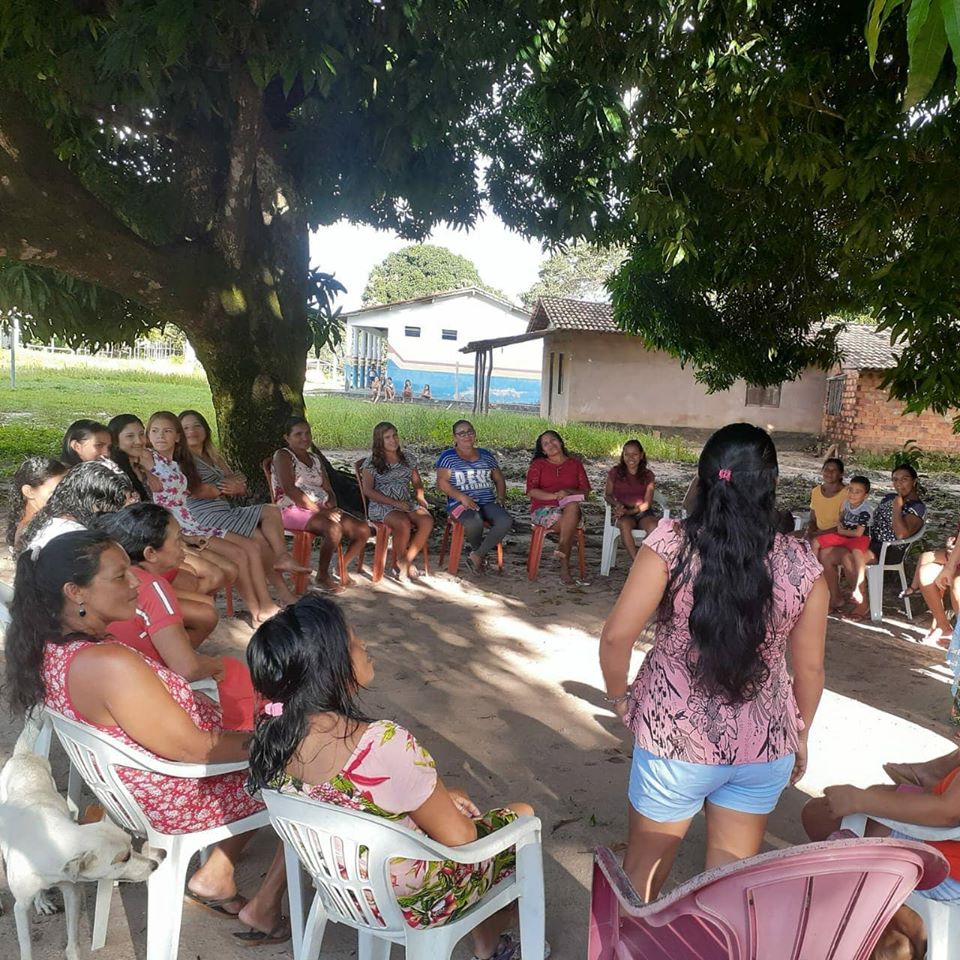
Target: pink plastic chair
820, 901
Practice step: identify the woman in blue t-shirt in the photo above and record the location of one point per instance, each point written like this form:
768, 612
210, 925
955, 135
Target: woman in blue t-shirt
476, 492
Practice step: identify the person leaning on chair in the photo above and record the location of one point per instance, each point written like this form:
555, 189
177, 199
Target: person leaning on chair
476, 492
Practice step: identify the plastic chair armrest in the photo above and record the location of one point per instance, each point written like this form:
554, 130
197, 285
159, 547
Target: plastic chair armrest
488, 846
857, 823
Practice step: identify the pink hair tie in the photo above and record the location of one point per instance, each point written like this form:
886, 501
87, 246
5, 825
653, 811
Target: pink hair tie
272, 709
724, 474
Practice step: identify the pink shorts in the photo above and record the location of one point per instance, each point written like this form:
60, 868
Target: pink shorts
838, 540
295, 518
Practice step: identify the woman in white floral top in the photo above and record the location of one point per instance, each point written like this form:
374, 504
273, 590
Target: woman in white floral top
310, 667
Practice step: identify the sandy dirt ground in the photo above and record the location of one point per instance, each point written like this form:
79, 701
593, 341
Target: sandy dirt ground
499, 679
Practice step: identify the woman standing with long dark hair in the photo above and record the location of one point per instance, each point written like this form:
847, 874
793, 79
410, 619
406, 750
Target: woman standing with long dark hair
717, 719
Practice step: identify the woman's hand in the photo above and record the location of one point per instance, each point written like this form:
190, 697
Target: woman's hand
232, 487
945, 579
463, 803
621, 708
842, 800
468, 502
333, 513
402, 505
619, 511
213, 666
799, 761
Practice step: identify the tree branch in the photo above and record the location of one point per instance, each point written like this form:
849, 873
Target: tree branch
48, 217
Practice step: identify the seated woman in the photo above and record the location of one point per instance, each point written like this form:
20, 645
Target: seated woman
899, 515
211, 505
86, 491
85, 440
171, 463
556, 485
301, 488
36, 478
928, 582
389, 390
376, 388
407, 391
198, 579
58, 656
394, 494
151, 538
476, 492
937, 805
315, 740
425, 392
826, 501
629, 492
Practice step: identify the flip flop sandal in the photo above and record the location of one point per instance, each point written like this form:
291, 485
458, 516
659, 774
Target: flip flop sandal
906, 774
909, 592
257, 938
217, 906
508, 948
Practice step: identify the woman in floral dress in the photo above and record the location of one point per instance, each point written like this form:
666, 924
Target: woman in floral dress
717, 719
58, 655
394, 494
170, 462
310, 667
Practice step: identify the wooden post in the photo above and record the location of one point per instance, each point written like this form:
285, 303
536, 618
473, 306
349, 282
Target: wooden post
486, 381
476, 381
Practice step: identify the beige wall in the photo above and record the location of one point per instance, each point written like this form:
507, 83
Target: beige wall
610, 377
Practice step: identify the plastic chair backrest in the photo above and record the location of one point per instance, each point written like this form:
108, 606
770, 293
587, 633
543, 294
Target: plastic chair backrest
347, 855
882, 559
358, 473
96, 756
829, 901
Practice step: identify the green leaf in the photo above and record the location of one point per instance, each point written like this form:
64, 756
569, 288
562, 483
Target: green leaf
927, 40
950, 9
879, 12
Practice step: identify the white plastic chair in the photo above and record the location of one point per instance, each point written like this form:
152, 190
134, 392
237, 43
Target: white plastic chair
941, 919
611, 534
327, 840
875, 572
96, 756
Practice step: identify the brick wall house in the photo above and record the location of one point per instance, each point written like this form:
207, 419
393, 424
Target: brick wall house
858, 413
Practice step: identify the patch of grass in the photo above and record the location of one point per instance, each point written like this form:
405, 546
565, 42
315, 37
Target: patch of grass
928, 462
343, 422
47, 399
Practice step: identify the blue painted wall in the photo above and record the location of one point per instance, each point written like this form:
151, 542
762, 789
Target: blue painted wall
445, 385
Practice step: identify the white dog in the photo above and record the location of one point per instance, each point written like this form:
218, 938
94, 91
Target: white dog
44, 847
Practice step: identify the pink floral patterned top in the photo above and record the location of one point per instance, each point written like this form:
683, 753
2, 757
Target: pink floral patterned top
172, 496
171, 804
389, 774
671, 718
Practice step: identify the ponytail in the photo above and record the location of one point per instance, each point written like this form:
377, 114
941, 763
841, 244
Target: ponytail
727, 541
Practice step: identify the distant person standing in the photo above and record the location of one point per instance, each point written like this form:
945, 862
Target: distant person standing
476, 492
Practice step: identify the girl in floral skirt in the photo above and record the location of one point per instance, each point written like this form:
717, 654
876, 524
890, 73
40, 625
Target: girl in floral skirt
314, 740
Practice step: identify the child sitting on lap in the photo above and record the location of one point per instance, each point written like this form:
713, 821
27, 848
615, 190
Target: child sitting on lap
853, 529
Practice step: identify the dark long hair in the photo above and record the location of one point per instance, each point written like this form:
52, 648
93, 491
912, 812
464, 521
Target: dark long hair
622, 471
378, 456
301, 659
210, 452
79, 430
86, 491
181, 452
136, 527
37, 607
538, 453
116, 426
727, 539
33, 472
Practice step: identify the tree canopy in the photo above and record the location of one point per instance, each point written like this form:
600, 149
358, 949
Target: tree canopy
762, 174
580, 271
419, 271
165, 161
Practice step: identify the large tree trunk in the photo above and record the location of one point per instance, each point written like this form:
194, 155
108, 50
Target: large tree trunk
252, 337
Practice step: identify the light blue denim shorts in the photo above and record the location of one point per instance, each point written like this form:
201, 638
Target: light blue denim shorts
670, 790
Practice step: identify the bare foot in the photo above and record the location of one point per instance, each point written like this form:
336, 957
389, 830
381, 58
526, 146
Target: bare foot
346, 580
329, 585
266, 613
837, 605
413, 573
286, 564
565, 577
859, 612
